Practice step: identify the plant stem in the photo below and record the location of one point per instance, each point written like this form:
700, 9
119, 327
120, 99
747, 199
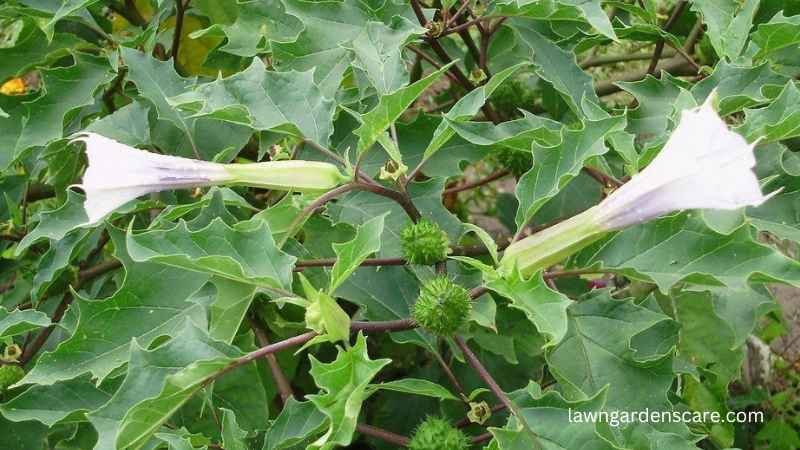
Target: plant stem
30, 350
281, 382
180, 11
484, 374
677, 10
311, 207
383, 435
401, 199
368, 327
467, 186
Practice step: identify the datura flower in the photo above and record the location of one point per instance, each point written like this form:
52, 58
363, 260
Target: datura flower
703, 165
118, 173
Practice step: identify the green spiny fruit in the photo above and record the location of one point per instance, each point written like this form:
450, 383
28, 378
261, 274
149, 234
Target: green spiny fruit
10, 374
424, 243
442, 306
436, 433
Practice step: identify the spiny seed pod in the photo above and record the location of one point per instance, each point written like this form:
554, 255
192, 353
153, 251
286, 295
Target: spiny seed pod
424, 243
10, 374
436, 433
442, 306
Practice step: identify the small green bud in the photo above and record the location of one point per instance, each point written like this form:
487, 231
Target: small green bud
479, 412
424, 243
436, 433
10, 374
442, 306
477, 76
435, 28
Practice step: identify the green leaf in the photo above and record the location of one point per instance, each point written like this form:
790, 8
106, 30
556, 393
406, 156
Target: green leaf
377, 53
328, 31
605, 348
389, 108
557, 165
465, 108
245, 253
157, 382
416, 386
29, 435
779, 214
728, 24
266, 100
233, 437
518, 134
32, 47
779, 33
549, 417
129, 125
680, 247
297, 422
250, 26
41, 121
157, 81
63, 401
738, 87
154, 300
741, 309
557, 66
57, 260
56, 223
544, 307
344, 383
230, 305
594, 13
21, 321
778, 121
656, 99
706, 339
180, 133
350, 254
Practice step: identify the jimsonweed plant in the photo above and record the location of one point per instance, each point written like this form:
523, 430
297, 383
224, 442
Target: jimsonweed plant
297, 224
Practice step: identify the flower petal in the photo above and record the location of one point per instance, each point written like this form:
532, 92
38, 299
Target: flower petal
118, 173
703, 165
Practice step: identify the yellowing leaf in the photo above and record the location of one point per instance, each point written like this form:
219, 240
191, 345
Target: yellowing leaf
14, 86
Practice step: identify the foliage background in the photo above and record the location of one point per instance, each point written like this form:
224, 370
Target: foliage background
136, 333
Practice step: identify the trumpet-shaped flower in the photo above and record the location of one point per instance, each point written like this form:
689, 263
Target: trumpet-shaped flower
118, 173
703, 165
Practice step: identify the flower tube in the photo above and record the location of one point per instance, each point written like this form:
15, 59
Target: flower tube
118, 173
703, 165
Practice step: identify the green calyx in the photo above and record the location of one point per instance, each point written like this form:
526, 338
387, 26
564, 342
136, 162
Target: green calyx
294, 175
424, 243
553, 245
442, 306
10, 374
436, 433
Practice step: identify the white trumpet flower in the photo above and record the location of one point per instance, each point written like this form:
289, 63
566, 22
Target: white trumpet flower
703, 165
118, 173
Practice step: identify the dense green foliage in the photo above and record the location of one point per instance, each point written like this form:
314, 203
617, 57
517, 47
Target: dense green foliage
245, 318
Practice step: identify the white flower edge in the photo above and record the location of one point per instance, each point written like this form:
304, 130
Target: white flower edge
703, 165
119, 173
